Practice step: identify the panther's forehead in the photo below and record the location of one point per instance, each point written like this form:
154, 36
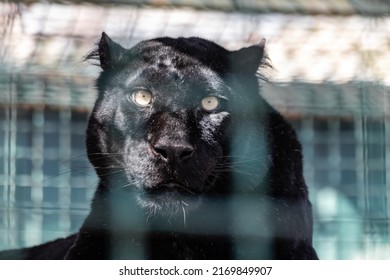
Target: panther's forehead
182, 52
154, 53
169, 65
168, 71
169, 60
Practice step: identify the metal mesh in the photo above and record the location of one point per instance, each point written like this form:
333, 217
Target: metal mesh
330, 79
345, 167
47, 181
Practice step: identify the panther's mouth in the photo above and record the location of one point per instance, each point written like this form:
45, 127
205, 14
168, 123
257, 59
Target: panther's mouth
169, 198
170, 187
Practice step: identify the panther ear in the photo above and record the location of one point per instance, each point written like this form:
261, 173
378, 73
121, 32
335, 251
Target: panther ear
107, 52
110, 53
248, 60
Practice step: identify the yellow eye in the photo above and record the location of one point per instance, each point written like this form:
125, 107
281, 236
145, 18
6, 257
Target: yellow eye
210, 103
142, 97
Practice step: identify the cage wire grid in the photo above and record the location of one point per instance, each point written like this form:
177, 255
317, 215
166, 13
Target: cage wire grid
330, 80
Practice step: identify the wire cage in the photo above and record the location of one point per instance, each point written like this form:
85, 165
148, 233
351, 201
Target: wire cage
329, 78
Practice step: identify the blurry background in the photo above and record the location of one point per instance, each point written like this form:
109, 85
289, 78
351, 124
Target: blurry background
330, 79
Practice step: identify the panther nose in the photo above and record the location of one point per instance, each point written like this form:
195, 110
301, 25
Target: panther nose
173, 151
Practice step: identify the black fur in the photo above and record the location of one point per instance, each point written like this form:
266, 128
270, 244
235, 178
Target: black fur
198, 167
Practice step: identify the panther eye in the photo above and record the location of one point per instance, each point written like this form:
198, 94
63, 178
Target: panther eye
142, 97
210, 103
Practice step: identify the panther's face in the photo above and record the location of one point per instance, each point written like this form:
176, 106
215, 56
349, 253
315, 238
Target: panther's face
162, 125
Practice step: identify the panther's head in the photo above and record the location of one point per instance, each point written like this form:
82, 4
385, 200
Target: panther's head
175, 118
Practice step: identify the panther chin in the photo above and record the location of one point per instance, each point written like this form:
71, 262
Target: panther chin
168, 199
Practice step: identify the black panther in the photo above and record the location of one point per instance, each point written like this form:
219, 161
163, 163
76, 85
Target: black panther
192, 162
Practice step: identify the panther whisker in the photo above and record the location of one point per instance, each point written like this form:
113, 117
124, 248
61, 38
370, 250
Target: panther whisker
102, 153
68, 172
125, 186
242, 159
187, 190
184, 212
